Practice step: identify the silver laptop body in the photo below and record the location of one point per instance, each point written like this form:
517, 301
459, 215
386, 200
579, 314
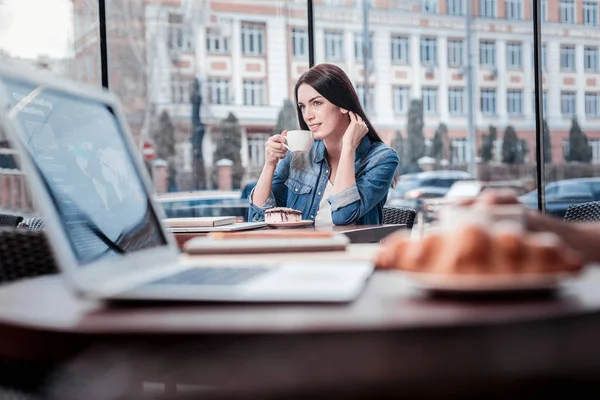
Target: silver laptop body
90, 184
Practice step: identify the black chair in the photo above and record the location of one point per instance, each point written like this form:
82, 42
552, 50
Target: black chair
585, 212
399, 215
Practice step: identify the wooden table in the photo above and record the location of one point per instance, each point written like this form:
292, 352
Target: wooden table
393, 339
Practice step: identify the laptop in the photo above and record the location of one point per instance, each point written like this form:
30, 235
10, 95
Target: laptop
106, 232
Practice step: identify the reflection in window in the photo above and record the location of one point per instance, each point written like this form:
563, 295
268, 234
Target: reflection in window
218, 89
567, 58
252, 39
514, 104
566, 11
591, 104
487, 53
513, 9
334, 46
360, 91
429, 100
358, 46
487, 8
513, 59
401, 99
299, 43
428, 51
488, 101
590, 59
180, 91
459, 151
216, 43
456, 101
400, 49
429, 6
254, 93
455, 52
567, 103
590, 13
456, 7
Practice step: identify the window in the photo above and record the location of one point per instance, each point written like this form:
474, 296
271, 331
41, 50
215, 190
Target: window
456, 101
543, 9
428, 51
429, 100
513, 9
513, 59
544, 57
567, 103
544, 102
334, 46
590, 13
334, 2
218, 90
358, 47
487, 53
488, 101
400, 49
590, 59
459, 151
178, 38
183, 159
487, 8
456, 7
400, 99
180, 91
566, 11
429, 6
514, 104
216, 43
252, 39
362, 96
595, 145
591, 104
567, 58
299, 43
254, 93
455, 52
256, 149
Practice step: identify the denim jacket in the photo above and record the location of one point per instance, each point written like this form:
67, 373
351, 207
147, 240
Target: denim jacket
300, 180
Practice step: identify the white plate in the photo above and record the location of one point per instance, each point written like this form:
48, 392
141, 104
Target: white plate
284, 225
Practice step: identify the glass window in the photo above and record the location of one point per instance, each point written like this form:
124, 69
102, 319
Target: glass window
428, 51
254, 92
256, 149
487, 53
459, 151
429, 6
334, 46
400, 49
456, 98
544, 102
513, 9
178, 36
591, 104
590, 13
216, 43
487, 8
590, 59
567, 103
401, 99
252, 39
456, 7
544, 57
595, 145
218, 89
358, 46
429, 100
180, 90
566, 11
514, 104
455, 53
488, 101
299, 43
513, 59
366, 101
567, 58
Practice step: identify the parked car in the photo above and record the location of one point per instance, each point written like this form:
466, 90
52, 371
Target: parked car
562, 194
204, 204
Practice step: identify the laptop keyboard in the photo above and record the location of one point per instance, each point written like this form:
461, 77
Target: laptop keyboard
212, 276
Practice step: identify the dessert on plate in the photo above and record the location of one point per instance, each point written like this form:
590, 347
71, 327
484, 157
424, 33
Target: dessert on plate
282, 214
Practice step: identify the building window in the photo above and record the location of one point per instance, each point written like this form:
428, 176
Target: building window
456, 98
544, 103
487, 8
513, 9
590, 59
429, 6
358, 47
218, 90
543, 9
428, 51
566, 11
487, 53
256, 149
184, 151
456, 7
429, 100
488, 101
252, 39
544, 57
513, 59
334, 2
362, 96
590, 13
455, 53
216, 43
178, 38
567, 58
595, 145
514, 103
400, 49
591, 104
299, 43
254, 93
568, 103
180, 91
459, 151
334, 46
400, 99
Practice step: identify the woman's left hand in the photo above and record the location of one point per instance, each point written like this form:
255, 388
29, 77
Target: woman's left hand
355, 131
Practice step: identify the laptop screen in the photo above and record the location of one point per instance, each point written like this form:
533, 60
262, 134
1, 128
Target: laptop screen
79, 149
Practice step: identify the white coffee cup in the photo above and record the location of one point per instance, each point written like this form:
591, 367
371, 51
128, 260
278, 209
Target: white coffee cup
298, 140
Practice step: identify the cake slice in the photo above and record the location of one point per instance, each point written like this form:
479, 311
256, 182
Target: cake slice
282, 214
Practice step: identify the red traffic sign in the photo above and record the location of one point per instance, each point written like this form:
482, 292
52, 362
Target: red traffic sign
148, 151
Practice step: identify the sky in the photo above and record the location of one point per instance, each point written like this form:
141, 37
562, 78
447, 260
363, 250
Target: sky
30, 28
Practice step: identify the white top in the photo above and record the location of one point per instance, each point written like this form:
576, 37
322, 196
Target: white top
323, 217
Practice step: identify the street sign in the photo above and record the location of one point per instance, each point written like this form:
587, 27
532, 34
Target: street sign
148, 151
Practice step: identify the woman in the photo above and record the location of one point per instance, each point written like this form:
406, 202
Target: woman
345, 177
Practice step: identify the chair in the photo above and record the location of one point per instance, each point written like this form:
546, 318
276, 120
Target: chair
585, 212
399, 215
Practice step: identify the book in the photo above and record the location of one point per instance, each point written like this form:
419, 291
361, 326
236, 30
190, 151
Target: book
198, 222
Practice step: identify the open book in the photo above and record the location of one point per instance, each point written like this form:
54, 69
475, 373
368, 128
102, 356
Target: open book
198, 222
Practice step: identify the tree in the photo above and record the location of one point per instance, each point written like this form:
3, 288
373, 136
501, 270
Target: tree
579, 149
229, 146
487, 146
287, 118
415, 139
164, 142
547, 144
510, 146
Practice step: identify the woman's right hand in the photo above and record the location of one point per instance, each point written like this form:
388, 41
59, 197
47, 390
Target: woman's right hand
275, 149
